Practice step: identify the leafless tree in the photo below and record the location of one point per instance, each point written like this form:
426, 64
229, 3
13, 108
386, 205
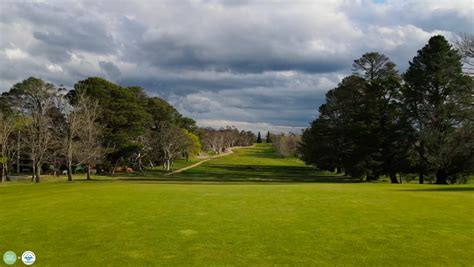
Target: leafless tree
222, 139
69, 125
88, 149
8, 124
36, 100
465, 45
286, 145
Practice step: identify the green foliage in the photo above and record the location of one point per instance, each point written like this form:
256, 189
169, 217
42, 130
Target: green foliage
193, 145
372, 125
126, 114
123, 112
438, 98
259, 138
269, 138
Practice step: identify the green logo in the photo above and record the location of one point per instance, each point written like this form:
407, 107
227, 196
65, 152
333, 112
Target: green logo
9, 257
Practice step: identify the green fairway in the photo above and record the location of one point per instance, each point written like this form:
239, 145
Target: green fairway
288, 214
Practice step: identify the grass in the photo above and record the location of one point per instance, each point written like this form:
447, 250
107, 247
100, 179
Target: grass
220, 220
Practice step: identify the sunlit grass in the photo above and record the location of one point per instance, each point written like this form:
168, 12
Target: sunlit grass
292, 222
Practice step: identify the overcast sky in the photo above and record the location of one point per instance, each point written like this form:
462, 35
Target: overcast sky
258, 65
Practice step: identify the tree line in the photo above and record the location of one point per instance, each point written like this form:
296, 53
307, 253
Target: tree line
378, 122
100, 126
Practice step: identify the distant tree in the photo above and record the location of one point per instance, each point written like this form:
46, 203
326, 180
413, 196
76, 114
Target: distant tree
172, 142
269, 139
231, 136
192, 146
259, 138
438, 98
222, 139
465, 45
372, 66
286, 145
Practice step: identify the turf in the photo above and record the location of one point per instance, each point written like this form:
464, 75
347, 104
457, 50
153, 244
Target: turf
214, 221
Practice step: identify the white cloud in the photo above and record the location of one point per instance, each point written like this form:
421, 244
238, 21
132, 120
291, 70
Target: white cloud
54, 68
15, 54
219, 61
250, 126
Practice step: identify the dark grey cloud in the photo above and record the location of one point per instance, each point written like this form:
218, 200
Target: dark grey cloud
260, 63
111, 70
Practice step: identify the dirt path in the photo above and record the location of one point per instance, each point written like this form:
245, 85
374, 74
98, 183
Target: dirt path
207, 159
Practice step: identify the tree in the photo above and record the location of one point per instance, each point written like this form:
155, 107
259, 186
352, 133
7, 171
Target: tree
124, 117
35, 99
387, 129
269, 139
259, 138
9, 122
171, 141
337, 139
438, 98
372, 66
192, 145
286, 145
88, 144
219, 140
68, 124
465, 45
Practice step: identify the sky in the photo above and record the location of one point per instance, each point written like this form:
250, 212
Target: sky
257, 65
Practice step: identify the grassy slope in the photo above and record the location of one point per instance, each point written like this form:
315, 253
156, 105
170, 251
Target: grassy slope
140, 222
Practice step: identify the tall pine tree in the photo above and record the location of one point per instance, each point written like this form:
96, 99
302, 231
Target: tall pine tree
438, 98
269, 138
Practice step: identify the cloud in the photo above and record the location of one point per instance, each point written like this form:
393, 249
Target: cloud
111, 70
14, 54
250, 126
257, 62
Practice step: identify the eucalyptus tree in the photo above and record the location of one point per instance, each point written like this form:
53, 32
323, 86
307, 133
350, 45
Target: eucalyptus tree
35, 100
10, 122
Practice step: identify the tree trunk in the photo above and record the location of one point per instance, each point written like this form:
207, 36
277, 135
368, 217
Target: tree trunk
33, 166
18, 154
3, 173
140, 164
393, 178
4, 164
88, 172
441, 177
37, 173
421, 177
168, 165
69, 170
7, 172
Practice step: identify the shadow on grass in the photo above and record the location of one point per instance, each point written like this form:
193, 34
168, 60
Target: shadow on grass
250, 173
444, 188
